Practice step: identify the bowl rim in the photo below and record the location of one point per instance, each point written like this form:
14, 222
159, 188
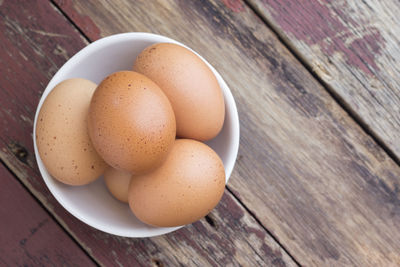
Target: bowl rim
110, 40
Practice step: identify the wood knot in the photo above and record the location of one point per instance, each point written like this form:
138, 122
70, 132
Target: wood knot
19, 151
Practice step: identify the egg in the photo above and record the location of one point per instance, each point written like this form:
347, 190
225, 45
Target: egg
189, 84
131, 122
186, 187
61, 134
117, 183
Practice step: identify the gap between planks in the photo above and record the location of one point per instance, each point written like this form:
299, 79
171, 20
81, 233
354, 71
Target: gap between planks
338, 99
49, 213
57, 8
263, 227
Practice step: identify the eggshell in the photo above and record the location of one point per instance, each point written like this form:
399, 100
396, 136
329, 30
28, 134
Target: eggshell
189, 84
117, 183
186, 187
62, 137
131, 122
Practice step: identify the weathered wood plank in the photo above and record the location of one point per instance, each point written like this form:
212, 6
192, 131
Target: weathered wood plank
306, 169
29, 236
352, 46
36, 40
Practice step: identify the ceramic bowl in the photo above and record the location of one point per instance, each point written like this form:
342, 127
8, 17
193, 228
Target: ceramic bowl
92, 203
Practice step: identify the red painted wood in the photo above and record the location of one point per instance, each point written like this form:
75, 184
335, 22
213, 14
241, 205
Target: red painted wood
352, 46
86, 24
234, 5
28, 235
315, 23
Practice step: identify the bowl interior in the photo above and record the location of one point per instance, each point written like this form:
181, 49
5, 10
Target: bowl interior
92, 203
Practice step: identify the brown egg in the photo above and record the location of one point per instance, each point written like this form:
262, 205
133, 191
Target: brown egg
186, 187
189, 84
117, 183
62, 137
131, 122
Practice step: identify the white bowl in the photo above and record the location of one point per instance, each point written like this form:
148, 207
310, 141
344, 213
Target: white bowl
92, 203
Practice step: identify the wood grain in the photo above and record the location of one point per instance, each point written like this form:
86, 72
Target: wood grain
29, 236
309, 173
36, 41
352, 46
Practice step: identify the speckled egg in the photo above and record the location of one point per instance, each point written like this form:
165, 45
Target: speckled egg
190, 85
131, 122
186, 187
62, 137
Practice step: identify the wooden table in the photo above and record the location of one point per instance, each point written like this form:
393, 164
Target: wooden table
317, 179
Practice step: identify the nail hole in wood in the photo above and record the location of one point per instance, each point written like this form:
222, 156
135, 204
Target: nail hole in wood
19, 151
210, 221
22, 241
157, 262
